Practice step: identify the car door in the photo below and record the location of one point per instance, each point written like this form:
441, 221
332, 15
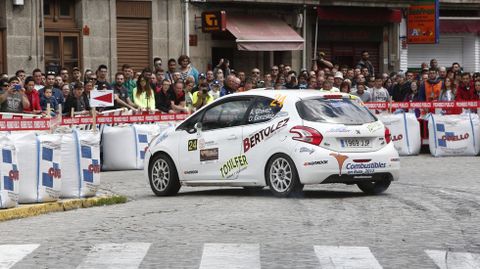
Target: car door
214, 152
265, 121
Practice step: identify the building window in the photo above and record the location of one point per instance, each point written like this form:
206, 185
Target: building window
61, 50
62, 35
59, 13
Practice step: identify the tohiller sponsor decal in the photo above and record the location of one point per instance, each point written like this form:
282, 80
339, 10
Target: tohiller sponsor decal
229, 168
256, 138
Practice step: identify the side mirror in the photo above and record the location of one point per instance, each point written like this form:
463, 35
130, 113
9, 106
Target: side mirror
198, 126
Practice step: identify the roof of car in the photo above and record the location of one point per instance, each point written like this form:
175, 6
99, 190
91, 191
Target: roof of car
297, 93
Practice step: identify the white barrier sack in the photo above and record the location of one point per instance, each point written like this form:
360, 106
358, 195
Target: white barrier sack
9, 173
405, 130
118, 147
39, 156
144, 134
134, 140
454, 135
80, 164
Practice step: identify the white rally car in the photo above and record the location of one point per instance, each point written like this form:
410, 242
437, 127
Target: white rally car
277, 138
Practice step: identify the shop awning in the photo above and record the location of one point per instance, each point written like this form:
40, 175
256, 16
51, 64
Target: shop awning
359, 14
255, 33
460, 26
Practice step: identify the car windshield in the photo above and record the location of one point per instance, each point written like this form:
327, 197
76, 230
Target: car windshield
334, 111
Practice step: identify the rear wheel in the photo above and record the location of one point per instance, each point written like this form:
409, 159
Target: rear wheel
163, 176
376, 187
282, 177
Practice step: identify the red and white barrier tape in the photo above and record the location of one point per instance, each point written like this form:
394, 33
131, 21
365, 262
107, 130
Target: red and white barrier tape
408, 105
15, 122
124, 119
39, 124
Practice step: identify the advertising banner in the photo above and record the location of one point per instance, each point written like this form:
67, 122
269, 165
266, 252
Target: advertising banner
423, 22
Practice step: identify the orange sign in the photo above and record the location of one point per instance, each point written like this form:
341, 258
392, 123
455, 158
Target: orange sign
214, 21
422, 23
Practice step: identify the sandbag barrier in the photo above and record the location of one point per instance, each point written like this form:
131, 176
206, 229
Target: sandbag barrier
454, 135
39, 167
405, 131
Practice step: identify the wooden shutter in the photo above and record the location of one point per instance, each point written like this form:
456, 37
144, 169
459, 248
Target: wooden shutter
133, 34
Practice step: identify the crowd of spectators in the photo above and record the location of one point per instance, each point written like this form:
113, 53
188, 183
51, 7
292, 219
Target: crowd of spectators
179, 87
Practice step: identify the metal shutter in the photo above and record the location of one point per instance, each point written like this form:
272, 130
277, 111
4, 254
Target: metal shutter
133, 43
133, 34
448, 51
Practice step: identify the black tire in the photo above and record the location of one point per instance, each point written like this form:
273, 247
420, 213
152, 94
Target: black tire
163, 176
376, 187
282, 177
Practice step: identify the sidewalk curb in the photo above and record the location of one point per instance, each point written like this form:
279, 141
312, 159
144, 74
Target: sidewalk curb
30, 210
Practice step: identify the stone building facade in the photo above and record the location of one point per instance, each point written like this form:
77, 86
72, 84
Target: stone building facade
85, 33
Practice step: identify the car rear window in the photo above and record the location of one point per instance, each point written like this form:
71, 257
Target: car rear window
334, 111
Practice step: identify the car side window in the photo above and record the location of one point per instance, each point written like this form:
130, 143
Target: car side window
263, 110
228, 114
189, 125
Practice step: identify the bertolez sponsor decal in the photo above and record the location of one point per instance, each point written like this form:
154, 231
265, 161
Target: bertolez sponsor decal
263, 134
229, 168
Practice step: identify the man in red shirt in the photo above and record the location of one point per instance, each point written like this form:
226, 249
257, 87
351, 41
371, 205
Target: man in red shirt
466, 89
33, 97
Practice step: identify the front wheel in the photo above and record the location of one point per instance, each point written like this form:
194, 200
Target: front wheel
376, 187
282, 177
163, 176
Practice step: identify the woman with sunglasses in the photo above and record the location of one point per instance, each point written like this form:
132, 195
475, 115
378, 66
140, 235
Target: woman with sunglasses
143, 95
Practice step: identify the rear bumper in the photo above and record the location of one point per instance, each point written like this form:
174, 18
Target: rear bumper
353, 179
322, 166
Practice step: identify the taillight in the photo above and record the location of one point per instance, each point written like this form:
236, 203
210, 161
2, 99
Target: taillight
388, 135
307, 134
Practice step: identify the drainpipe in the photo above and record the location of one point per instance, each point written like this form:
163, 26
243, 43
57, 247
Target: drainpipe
186, 29
304, 54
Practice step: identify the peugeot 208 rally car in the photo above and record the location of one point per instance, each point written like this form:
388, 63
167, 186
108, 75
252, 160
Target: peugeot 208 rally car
277, 138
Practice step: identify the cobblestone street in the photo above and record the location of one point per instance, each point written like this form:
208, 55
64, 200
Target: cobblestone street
427, 219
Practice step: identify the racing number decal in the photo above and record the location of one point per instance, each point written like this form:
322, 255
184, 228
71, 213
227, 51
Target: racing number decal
278, 101
192, 144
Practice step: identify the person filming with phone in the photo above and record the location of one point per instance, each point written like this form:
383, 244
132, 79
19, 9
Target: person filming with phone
202, 97
12, 96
